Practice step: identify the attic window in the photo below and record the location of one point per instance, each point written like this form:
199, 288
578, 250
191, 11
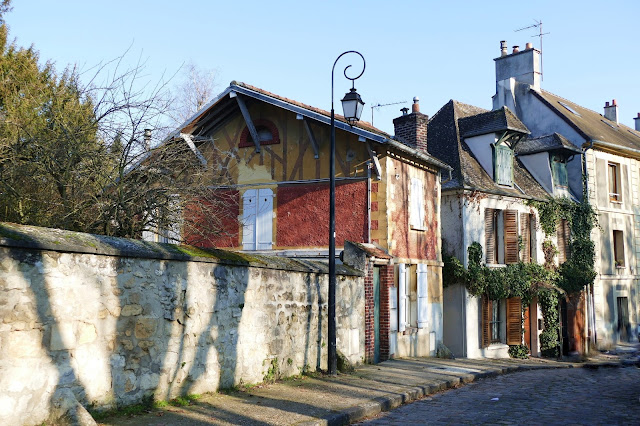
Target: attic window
609, 124
503, 163
267, 133
570, 109
559, 171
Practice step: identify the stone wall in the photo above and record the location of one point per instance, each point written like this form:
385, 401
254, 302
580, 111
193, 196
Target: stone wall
106, 322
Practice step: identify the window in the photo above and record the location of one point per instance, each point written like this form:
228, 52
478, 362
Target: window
413, 308
501, 236
416, 213
501, 321
563, 235
267, 133
257, 219
503, 165
559, 172
528, 237
618, 249
615, 193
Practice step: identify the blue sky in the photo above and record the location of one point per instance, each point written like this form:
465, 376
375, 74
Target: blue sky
437, 50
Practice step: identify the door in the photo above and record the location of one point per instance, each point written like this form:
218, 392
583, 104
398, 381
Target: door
623, 319
376, 314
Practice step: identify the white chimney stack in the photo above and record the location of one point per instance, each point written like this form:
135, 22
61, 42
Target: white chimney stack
611, 111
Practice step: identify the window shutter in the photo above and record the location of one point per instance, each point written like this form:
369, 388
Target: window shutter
393, 309
514, 321
511, 236
489, 236
423, 293
264, 221
417, 204
624, 185
602, 188
563, 235
402, 296
525, 232
486, 321
249, 207
504, 165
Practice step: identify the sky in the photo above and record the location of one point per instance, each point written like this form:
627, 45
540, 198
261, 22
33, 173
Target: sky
436, 50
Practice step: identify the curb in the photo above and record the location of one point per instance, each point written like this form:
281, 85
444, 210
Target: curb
373, 407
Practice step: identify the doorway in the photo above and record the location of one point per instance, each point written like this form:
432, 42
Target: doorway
376, 314
623, 319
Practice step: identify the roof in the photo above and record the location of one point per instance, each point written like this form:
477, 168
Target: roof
222, 106
491, 122
593, 126
445, 141
553, 142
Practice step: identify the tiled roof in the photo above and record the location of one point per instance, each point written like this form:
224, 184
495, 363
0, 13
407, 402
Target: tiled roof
491, 122
444, 141
553, 142
590, 124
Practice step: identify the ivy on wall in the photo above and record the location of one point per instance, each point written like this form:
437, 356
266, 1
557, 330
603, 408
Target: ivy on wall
528, 280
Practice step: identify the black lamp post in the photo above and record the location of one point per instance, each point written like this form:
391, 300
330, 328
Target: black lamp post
352, 106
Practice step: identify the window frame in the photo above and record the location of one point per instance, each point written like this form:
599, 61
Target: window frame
559, 171
614, 182
501, 163
619, 258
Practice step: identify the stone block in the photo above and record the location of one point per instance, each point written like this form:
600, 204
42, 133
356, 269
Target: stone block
145, 328
131, 310
62, 337
22, 343
86, 333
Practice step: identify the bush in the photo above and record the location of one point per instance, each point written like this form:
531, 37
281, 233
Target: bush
519, 351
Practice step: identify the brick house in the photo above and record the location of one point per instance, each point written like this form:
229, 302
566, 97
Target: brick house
387, 204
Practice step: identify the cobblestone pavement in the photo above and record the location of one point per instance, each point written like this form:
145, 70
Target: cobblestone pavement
570, 396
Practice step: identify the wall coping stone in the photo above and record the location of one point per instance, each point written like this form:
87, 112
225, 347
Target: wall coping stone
58, 240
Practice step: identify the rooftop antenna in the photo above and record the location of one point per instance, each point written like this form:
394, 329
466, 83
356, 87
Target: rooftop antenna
378, 106
538, 24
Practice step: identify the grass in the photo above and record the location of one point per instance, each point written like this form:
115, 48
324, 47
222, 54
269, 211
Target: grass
145, 407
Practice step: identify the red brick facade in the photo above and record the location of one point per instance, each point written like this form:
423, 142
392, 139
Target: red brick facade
386, 282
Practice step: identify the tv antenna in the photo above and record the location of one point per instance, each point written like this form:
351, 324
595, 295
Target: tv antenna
378, 106
538, 24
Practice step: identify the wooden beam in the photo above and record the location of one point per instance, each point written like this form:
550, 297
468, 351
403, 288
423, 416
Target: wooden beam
248, 121
374, 161
312, 138
196, 151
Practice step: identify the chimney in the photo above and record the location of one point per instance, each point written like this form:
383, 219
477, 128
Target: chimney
147, 139
411, 129
637, 120
611, 111
521, 65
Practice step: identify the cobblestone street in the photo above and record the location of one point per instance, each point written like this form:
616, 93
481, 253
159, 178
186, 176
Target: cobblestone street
568, 396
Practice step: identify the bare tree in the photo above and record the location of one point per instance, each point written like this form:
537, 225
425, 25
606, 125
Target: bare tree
195, 88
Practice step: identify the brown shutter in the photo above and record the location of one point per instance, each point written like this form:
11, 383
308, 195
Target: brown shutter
525, 231
510, 236
563, 234
532, 242
602, 187
489, 236
567, 238
514, 321
486, 321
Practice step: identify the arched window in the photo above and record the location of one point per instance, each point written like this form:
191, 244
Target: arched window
267, 133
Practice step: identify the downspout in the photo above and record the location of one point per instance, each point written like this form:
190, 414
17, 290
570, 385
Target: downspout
591, 318
463, 299
369, 202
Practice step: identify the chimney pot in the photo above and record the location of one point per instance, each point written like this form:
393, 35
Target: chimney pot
404, 110
416, 105
614, 103
503, 48
606, 104
529, 46
516, 49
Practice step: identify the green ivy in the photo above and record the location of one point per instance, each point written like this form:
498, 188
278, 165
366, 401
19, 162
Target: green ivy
519, 351
549, 343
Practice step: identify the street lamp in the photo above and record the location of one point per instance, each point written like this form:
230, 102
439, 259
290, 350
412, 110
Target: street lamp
352, 106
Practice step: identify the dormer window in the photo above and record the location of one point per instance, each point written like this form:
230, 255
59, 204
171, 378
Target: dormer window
503, 162
559, 172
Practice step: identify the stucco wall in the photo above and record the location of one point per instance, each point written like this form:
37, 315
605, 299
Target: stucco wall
112, 321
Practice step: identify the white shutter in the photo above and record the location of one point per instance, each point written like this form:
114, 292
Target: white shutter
393, 309
249, 207
423, 290
264, 221
402, 306
416, 205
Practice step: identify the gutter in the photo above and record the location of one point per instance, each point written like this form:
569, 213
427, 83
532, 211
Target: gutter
612, 146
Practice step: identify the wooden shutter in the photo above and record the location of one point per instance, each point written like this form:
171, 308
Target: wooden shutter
624, 185
602, 188
563, 235
525, 232
504, 165
514, 321
486, 321
416, 205
393, 309
264, 220
402, 296
511, 236
489, 236
423, 295
249, 207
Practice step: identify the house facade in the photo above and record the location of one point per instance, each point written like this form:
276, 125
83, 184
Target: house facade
609, 165
275, 154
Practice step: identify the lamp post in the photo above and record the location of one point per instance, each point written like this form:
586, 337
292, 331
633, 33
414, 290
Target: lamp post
352, 106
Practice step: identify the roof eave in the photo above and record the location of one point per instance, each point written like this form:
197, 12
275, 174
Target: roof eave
419, 154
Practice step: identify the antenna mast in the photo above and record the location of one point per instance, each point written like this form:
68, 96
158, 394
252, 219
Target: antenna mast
538, 24
381, 105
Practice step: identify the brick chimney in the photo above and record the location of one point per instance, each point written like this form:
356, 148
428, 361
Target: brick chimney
637, 120
611, 111
411, 129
